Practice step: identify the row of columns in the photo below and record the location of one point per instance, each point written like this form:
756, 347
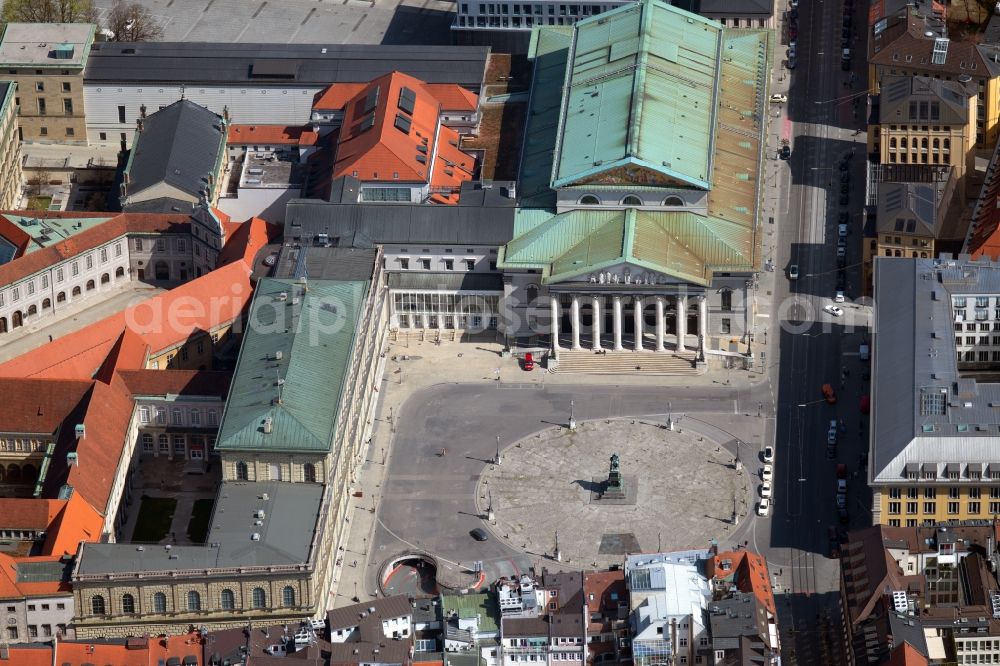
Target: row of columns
638, 304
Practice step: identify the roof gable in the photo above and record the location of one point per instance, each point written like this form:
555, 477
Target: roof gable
641, 89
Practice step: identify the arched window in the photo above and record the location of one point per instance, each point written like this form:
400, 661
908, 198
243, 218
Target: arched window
589, 200
119, 272
76, 291
3, 324
47, 303
97, 605
105, 278
16, 319
228, 600
631, 200
288, 597
194, 601
673, 201
128, 604
936, 144
32, 309
892, 142
531, 292
947, 144
13, 473
159, 603
90, 285
242, 472
923, 142
61, 297
28, 472
309, 473
902, 142
259, 598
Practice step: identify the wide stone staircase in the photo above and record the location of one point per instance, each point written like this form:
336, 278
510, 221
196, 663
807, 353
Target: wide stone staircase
626, 363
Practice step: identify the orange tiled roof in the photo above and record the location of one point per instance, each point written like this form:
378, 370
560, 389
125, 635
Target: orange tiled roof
177, 382
750, 575
15, 235
336, 96
984, 234
453, 97
906, 655
246, 240
88, 239
162, 321
271, 135
78, 521
38, 405
28, 514
138, 651
373, 148
10, 587
33, 655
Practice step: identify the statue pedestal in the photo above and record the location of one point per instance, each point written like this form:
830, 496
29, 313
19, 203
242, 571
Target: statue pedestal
599, 494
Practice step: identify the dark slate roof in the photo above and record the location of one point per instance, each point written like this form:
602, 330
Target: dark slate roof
448, 281
161, 205
373, 612
286, 65
727, 8
525, 626
325, 263
368, 224
179, 145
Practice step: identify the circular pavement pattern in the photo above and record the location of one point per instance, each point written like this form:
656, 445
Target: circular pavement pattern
679, 490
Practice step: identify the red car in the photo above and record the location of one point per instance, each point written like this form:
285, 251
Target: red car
529, 362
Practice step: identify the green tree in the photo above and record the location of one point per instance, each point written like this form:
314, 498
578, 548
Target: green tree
49, 11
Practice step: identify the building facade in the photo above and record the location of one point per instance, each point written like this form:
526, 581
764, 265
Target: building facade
47, 61
11, 175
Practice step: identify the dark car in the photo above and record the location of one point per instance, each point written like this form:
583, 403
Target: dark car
792, 63
831, 452
845, 65
793, 14
785, 152
843, 188
793, 33
479, 534
844, 164
847, 21
844, 200
842, 514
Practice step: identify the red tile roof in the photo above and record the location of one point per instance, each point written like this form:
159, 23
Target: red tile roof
163, 321
271, 135
373, 148
453, 97
336, 96
749, 571
15, 235
177, 382
137, 652
78, 521
906, 655
246, 240
10, 587
28, 514
33, 655
89, 239
38, 405
602, 585
984, 230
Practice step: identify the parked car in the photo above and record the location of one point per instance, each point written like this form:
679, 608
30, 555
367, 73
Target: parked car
841, 471
829, 395
845, 65
841, 501
765, 490
768, 454
831, 452
786, 150
792, 63
764, 507
842, 230
766, 473
778, 98
833, 310
843, 515
841, 250
841, 486
844, 165
793, 272
841, 281
838, 296
479, 534
529, 361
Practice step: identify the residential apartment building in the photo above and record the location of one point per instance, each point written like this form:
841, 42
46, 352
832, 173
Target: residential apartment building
910, 216
47, 61
607, 611
11, 175
36, 602
910, 40
542, 621
936, 345
933, 587
923, 120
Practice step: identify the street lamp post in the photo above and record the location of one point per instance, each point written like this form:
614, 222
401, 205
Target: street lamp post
497, 459
572, 415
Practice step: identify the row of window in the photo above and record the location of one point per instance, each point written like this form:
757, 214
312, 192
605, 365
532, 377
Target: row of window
44, 131
18, 473
66, 86
980, 357
983, 340
961, 302
179, 245
935, 143
23, 445
629, 200
180, 445
227, 601
43, 107
178, 416
424, 264
33, 631
954, 492
902, 158
18, 316
902, 253
274, 472
979, 314
27, 288
898, 240
972, 508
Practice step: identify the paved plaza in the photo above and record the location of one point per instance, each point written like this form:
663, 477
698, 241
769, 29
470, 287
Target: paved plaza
679, 489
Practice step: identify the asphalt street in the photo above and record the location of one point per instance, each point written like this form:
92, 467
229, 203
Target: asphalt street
817, 348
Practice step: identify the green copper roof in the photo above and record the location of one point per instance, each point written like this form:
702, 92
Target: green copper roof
640, 98
313, 331
680, 246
